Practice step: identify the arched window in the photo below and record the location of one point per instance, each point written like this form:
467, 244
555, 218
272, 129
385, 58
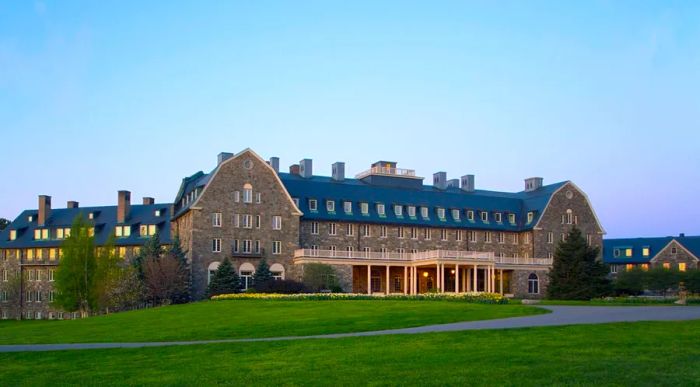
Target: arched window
277, 271
210, 271
569, 217
533, 284
246, 272
247, 193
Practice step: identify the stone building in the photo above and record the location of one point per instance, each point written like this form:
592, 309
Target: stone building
384, 230
681, 253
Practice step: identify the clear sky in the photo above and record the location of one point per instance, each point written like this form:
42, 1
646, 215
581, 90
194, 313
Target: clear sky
101, 96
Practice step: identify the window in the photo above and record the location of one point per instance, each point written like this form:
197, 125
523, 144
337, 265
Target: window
616, 253
59, 233
472, 236
216, 245
674, 250
550, 238
122, 231
487, 237
533, 284
314, 228
382, 232
459, 235
156, 213
332, 229
247, 221
470, 215
247, 193
516, 239
121, 252
645, 251
258, 197
500, 238
563, 237
276, 247
257, 221
398, 210
296, 202
347, 207
589, 239
313, 205
30, 254
441, 213
237, 220
330, 205
247, 246
526, 239
424, 212
412, 211
246, 279
414, 233
236, 246
13, 235
276, 222
681, 266
530, 217
484, 216
51, 274
628, 252
216, 219
365, 230
667, 265
428, 234
511, 218
380, 209
364, 208
645, 266
237, 196
498, 217
443, 234
256, 247
4, 275
350, 230
399, 232
613, 269
455, 215
147, 230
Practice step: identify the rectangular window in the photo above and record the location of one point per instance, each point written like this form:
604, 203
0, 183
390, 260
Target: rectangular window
247, 195
236, 196
247, 246
424, 212
511, 218
256, 247
59, 233
613, 268
459, 235
347, 207
681, 266
455, 215
247, 221
276, 247
527, 238
382, 232
330, 205
645, 251
484, 216
364, 208
472, 236
51, 274
516, 239
237, 220
216, 219
399, 231
30, 254
443, 234
500, 237
470, 215
441, 213
258, 197
530, 217
296, 202
628, 252
350, 230
364, 230
37, 234
45, 233
314, 228
550, 237
276, 222
216, 245
332, 229
398, 210
667, 265
13, 235
121, 252
257, 221
414, 233
427, 234
589, 239
498, 217
313, 205
487, 237
236, 246
380, 209
412, 211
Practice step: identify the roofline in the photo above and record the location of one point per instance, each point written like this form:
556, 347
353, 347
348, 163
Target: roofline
669, 244
595, 216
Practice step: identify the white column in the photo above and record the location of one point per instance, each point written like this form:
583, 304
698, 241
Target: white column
442, 278
386, 289
456, 278
405, 280
369, 279
500, 282
475, 282
486, 278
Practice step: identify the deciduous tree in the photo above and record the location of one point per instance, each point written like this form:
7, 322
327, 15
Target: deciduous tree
75, 278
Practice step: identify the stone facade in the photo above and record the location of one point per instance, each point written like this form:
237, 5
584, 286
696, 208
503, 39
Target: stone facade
675, 260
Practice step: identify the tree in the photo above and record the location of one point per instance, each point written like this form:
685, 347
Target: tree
150, 249
13, 287
692, 281
178, 253
319, 276
224, 280
163, 279
577, 274
128, 292
107, 274
630, 282
76, 273
4, 223
262, 275
660, 279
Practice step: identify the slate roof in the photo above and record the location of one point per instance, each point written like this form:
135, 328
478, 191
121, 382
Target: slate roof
655, 245
105, 220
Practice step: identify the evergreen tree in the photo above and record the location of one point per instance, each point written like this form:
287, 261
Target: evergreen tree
176, 251
151, 249
262, 274
224, 280
4, 223
577, 274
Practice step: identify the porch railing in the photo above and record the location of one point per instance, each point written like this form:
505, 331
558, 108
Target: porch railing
422, 256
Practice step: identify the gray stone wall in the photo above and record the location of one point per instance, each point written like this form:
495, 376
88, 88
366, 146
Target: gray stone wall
681, 256
519, 283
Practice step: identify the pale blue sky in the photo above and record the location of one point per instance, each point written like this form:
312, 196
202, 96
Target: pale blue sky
101, 96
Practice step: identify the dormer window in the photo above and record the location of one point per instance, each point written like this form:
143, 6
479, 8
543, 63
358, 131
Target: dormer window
147, 230
91, 216
330, 205
424, 212
122, 231
455, 215
441, 213
412, 211
41, 234
470, 215
13, 235
498, 217
30, 218
645, 251
628, 252
157, 213
313, 205
296, 202
484, 216
347, 207
398, 210
511, 218
530, 217
364, 208
380, 209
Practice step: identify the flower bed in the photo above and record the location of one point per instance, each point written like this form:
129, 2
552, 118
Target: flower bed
479, 298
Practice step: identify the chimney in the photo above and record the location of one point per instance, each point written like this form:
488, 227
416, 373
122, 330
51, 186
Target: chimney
440, 180
294, 169
681, 235
223, 156
44, 209
453, 183
148, 201
533, 184
72, 204
123, 205
338, 171
306, 168
275, 163
468, 183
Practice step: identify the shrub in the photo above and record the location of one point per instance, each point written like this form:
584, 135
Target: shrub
477, 298
630, 282
692, 281
319, 276
661, 280
285, 286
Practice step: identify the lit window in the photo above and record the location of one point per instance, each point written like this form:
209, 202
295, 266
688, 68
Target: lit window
216, 219
681, 266
645, 251
52, 254
364, 208
347, 207
91, 231
412, 211
13, 235
37, 234
667, 265
398, 210
455, 215
484, 216
380, 209
645, 266
330, 205
276, 222
147, 230
157, 213
45, 233
313, 205
121, 252
628, 252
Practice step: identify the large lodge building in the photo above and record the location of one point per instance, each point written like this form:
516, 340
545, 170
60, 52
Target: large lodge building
384, 230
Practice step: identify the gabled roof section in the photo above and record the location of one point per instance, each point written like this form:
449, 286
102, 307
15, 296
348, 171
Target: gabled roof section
655, 245
105, 220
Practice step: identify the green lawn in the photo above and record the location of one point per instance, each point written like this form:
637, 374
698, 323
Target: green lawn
629, 354
252, 318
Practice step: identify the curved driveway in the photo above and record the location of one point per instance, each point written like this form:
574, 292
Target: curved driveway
561, 315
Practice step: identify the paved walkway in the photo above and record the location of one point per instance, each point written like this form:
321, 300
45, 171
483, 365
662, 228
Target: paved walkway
561, 315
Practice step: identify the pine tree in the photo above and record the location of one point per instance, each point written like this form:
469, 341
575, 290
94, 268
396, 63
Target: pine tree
176, 251
224, 280
577, 274
262, 273
150, 250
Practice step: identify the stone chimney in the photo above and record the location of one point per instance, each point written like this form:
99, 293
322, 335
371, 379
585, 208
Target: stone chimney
468, 183
123, 205
453, 183
338, 171
440, 180
148, 201
294, 169
223, 156
306, 168
44, 209
533, 184
275, 163
72, 204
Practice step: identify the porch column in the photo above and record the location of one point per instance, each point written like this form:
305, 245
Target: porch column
493, 279
500, 283
486, 279
386, 289
476, 282
442, 278
456, 278
369, 279
405, 280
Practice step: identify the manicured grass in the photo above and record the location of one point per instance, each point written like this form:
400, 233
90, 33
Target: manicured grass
629, 354
252, 318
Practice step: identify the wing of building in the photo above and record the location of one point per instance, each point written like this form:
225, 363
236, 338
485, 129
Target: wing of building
681, 252
384, 230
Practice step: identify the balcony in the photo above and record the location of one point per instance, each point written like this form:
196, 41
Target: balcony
524, 261
387, 171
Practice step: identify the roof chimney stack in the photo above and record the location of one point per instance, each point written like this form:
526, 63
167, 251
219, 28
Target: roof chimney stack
338, 171
123, 205
148, 201
223, 156
440, 180
306, 168
44, 209
468, 183
681, 235
72, 204
275, 163
294, 169
453, 183
533, 184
